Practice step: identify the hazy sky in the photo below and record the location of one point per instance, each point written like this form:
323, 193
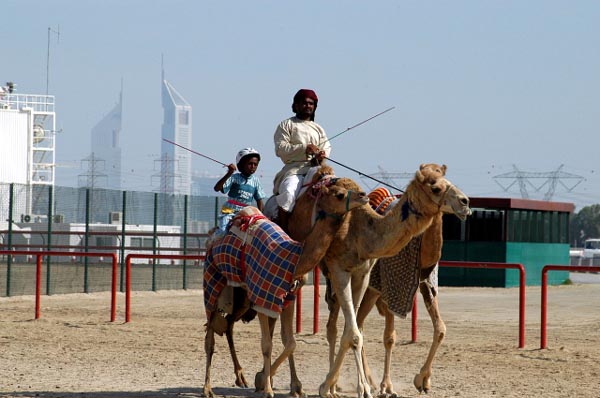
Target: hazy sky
477, 85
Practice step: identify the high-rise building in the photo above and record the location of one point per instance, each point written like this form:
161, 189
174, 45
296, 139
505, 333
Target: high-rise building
106, 148
176, 162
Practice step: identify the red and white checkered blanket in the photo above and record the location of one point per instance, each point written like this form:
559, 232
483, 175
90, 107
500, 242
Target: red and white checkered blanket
263, 261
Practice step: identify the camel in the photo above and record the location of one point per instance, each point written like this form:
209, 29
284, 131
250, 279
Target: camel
332, 203
430, 252
366, 236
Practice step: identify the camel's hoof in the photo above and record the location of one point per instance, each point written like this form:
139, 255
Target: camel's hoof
297, 392
259, 381
240, 381
268, 395
324, 392
207, 392
365, 394
421, 383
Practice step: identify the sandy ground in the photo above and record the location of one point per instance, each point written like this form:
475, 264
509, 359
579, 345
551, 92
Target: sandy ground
74, 351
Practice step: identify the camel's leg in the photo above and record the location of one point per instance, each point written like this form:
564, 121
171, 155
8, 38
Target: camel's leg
422, 380
289, 343
240, 380
369, 300
209, 350
267, 325
351, 337
389, 340
334, 312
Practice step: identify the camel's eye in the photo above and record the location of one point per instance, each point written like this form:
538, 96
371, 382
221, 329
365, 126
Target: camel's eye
436, 190
340, 196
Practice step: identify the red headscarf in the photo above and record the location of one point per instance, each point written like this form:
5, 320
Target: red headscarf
306, 93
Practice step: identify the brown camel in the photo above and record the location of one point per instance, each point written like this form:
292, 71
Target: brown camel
300, 226
332, 203
430, 252
366, 236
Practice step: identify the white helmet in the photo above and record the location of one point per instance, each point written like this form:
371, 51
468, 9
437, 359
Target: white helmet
245, 152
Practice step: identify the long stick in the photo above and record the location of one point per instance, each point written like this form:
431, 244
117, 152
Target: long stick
363, 122
365, 175
194, 152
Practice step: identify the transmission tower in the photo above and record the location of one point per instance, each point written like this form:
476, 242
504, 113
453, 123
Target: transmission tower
390, 178
550, 179
92, 177
167, 175
91, 180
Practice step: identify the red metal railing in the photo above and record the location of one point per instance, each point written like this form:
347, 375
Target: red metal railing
38, 273
414, 316
544, 305
147, 256
468, 264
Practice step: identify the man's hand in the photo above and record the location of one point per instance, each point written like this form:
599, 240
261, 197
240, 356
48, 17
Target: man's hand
312, 149
320, 156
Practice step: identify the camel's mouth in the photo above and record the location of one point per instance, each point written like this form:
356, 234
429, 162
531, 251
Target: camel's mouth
463, 213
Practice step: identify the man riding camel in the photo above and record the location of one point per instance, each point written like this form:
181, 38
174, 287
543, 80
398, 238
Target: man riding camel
301, 144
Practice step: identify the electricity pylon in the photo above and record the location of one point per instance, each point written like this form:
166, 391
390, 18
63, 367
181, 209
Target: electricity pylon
550, 179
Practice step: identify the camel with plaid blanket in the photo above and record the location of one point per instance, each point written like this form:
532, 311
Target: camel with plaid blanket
332, 203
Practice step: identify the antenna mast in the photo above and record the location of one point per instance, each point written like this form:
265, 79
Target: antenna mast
57, 33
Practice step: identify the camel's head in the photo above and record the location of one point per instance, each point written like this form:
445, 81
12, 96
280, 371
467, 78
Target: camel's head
336, 199
441, 191
322, 171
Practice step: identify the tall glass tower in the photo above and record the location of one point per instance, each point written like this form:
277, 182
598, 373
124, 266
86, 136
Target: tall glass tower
106, 149
176, 163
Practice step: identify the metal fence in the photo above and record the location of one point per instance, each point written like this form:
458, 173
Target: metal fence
35, 218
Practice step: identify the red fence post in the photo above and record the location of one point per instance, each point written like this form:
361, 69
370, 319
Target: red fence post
113, 296
38, 284
128, 288
299, 310
414, 319
316, 279
544, 304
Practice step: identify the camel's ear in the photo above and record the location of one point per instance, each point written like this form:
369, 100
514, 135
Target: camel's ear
419, 176
444, 169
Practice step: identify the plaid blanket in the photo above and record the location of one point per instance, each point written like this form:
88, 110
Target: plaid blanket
263, 261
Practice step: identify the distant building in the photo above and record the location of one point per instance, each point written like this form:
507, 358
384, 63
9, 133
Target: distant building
106, 149
27, 149
176, 163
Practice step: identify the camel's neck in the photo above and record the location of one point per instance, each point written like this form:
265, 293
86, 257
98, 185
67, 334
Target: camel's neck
387, 235
317, 243
431, 245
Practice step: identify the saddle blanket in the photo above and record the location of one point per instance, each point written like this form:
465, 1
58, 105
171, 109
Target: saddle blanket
396, 278
263, 262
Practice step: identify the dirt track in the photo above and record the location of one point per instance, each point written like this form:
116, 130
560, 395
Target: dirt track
74, 351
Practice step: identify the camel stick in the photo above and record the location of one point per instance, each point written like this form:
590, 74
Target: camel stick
360, 123
365, 175
194, 152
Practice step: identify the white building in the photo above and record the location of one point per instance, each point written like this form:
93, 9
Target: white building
27, 147
176, 162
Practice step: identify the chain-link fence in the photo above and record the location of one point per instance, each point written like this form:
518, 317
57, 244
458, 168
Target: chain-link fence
38, 218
